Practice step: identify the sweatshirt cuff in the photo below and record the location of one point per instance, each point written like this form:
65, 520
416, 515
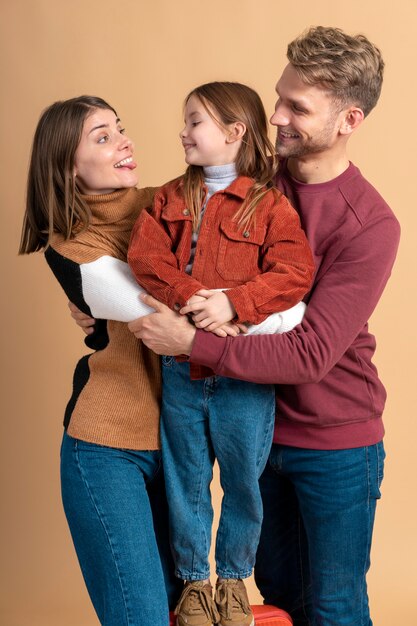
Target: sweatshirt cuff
207, 349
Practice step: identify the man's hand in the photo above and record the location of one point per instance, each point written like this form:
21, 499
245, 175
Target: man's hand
165, 331
214, 310
83, 320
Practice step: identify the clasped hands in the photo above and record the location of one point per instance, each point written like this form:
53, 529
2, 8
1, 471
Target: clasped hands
211, 310
168, 332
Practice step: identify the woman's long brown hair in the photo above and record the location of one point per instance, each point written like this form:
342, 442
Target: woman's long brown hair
53, 200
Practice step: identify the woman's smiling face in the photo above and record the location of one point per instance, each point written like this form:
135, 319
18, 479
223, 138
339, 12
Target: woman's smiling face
104, 157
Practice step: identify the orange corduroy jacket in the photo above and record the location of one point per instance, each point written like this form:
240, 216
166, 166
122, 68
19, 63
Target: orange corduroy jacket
266, 267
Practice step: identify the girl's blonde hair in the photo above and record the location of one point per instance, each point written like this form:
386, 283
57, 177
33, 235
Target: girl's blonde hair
227, 103
53, 200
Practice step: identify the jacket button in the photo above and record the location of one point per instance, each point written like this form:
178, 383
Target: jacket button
186, 212
246, 234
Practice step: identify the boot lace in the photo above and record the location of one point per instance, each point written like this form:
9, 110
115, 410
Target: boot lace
230, 597
198, 597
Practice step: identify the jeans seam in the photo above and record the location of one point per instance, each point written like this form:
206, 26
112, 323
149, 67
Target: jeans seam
85, 481
277, 468
267, 439
200, 521
380, 455
301, 569
368, 538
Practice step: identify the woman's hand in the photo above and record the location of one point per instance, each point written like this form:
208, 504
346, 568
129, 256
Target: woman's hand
82, 320
212, 311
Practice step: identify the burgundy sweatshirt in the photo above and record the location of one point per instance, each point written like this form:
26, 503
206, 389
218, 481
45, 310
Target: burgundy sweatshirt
328, 392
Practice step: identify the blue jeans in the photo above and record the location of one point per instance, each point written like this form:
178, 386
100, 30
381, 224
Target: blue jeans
314, 552
116, 508
201, 420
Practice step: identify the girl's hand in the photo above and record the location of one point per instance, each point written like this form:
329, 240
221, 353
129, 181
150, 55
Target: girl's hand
195, 299
214, 310
227, 330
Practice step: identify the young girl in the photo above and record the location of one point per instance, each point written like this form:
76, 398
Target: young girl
223, 246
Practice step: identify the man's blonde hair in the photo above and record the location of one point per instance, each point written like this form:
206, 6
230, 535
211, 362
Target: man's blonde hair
350, 67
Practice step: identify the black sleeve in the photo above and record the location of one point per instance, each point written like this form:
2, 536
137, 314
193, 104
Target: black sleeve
68, 274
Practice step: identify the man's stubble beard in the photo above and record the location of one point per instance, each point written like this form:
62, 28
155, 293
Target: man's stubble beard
312, 145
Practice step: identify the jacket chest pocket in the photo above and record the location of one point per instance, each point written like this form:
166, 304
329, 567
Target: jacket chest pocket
178, 224
239, 252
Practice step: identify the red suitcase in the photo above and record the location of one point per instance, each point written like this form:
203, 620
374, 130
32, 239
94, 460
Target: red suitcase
265, 615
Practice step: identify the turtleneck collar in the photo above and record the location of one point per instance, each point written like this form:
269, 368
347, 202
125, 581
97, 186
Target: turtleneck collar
112, 207
218, 177
216, 173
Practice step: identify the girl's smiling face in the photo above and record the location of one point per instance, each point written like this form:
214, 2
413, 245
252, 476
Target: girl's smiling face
206, 142
104, 157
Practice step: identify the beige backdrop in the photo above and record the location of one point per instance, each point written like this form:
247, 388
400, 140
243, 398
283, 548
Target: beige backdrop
144, 57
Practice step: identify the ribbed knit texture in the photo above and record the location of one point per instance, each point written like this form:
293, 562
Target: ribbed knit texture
218, 177
119, 404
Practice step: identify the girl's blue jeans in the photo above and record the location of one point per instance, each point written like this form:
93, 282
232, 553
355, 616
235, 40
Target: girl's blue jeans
314, 552
201, 420
116, 508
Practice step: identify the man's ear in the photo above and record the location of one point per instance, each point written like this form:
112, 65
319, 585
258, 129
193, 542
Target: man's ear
235, 132
351, 119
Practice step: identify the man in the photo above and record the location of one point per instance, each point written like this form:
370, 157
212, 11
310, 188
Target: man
322, 480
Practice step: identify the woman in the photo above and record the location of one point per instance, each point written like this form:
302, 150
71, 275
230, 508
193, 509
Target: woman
81, 206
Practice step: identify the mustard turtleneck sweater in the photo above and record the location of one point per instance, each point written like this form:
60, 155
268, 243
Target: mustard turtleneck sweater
117, 388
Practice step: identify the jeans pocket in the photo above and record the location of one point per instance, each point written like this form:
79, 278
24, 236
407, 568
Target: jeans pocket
80, 444
376, 469
381, 462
